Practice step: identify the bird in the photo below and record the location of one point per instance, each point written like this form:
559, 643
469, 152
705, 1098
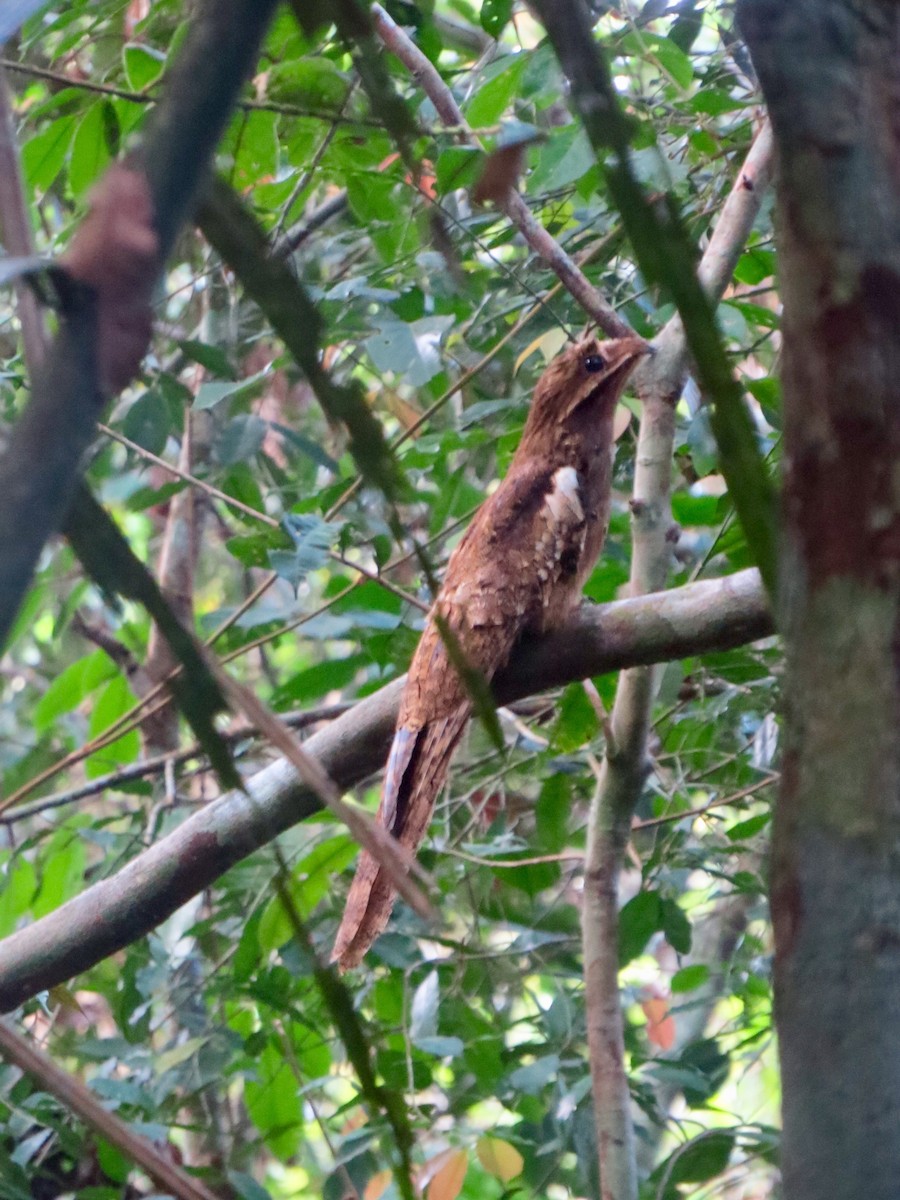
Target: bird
518, 570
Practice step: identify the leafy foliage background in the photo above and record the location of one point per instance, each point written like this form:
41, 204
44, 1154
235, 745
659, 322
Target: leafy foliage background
212, 1032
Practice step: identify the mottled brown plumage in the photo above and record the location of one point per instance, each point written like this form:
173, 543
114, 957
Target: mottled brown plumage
520, 568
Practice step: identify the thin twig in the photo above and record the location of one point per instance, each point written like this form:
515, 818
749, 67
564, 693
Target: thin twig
732, 798
515, 208
162, 762
239, 506
146, 98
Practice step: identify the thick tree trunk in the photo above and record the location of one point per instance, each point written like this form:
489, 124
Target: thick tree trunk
830, 70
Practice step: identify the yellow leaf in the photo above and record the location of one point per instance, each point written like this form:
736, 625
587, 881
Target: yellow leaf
447, 1181
549, 343
621, 421
377, 1185
499, 1158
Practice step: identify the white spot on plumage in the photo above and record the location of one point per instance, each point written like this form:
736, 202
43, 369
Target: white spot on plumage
564, 500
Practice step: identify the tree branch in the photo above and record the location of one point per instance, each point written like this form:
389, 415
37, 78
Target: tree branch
700, 618
546, 247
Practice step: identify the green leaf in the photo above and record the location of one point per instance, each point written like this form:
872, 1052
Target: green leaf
241, 439
148, 422
241, 483
309, 83
530, 878
534, 1077
214, 358
711, 1067
411, 350
563, 160
704, 454
315, 872
312, 538
18, 884
689, 978
695, 510
253, 550
246, 1187
274, 928
307, 446
675, 62
457, 167
274, 1103
441, 1047
642, 45
715, 101
113, 702
90, 151
253, 141
676, 926
143, 65
492, 99
704, 1158
211, 394
71, 686
741, 830
576, 721
44, 155
312, 683
312, 1050
149, 497
494, 16
309, 883
552, 813
113, 1162
63, 872
371, 197
754, 266
639, 919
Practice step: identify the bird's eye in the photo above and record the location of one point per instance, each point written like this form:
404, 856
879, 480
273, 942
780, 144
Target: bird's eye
594, 362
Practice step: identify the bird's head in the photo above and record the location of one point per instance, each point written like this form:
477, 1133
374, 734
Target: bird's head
589, 376
581, 387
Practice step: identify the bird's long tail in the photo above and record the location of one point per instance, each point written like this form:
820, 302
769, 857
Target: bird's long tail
416, 770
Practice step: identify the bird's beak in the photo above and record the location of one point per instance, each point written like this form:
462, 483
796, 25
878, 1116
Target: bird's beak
629, 353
